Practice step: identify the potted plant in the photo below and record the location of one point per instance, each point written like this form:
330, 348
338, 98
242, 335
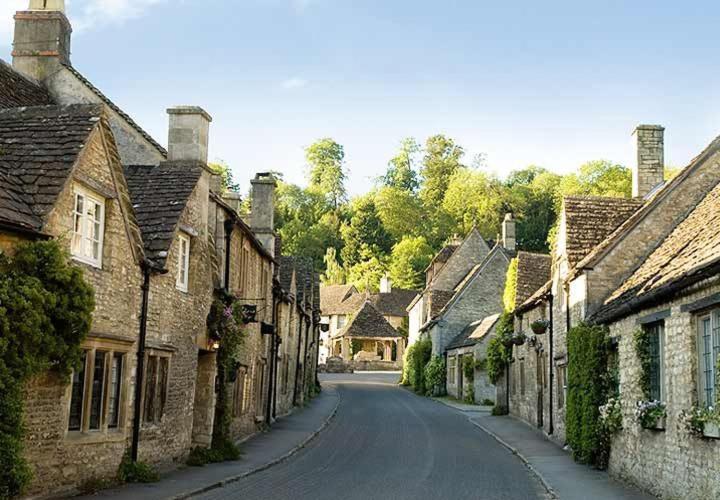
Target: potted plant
518, 339
702, 422
611, 416
539, 326
651, 414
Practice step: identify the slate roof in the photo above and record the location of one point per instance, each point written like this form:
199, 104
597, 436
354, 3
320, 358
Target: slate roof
473, 333
16, 90
115, 108
333, 299
394, 303
591, 219
536, 298
438, 300
286, 267
443, 255
159, 194
368, 323
38, 150
532, 273
692, 247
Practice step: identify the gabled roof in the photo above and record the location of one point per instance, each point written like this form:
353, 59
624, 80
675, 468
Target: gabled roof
159, 194
535, 299
681, 259
333, 299
17, 90
368, 323
443, 255
116, 108
39, 147
394, 303
473, 333
532, 273
591, 219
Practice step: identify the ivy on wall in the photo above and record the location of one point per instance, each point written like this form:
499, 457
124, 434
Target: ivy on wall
510, 286
45, 313
642, 349
589, 388
499, 353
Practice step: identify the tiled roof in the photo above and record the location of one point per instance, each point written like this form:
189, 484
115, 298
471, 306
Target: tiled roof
16, 90
159, 195
532, 273
536, 298
473, 333
286, 268
38, 149
443, 255
333, 299
591, 219
115, 108
304, 275
394, 303
368, 323
438, 300
692, 246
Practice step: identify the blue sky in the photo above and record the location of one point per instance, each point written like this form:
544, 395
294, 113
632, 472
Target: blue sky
550, 83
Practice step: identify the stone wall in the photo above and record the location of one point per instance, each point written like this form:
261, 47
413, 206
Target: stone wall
671, 463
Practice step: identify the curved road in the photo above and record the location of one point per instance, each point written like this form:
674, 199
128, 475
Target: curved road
388, 443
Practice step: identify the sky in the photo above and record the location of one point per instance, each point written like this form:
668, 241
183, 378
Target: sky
554, 83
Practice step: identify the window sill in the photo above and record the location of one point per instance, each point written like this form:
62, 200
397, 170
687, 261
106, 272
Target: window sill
87, 262
180, 289
95, 437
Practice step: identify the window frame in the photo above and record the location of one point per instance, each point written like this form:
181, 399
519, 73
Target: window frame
239, 407
651, 329
160, 391
100, 201
713, 316
183, 263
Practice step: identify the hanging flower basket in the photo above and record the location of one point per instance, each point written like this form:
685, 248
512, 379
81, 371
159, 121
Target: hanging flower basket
518, 339
540, 326
651, 415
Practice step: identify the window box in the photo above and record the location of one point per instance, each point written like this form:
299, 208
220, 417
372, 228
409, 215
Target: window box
711, 430
658, 425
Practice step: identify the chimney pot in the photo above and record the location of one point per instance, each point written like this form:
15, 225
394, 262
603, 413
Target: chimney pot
649, 171
188, 134
508, 233
262, 215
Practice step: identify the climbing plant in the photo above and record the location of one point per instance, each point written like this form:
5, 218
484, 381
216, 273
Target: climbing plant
510, 286
589, 388
45, 313
225, 324
642, 349
435, 373
498, 353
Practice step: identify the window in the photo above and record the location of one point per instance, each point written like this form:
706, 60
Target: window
239, 400
655, 333
244, 269
522, 377
341, 322
452, 369
88, 227
708, 352
155, 390
259, 388
561, 386
183, 262
96, 392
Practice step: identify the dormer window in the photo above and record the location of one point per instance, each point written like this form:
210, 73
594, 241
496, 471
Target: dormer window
88, 227
183, 266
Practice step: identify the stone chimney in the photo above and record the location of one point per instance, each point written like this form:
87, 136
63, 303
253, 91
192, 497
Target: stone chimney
262, 216
386, 284
189, 133
508, 233
42, 38
233, 199
649, 171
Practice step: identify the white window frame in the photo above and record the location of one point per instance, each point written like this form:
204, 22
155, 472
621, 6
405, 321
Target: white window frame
183, 263
86, 241
341, 321
714, 319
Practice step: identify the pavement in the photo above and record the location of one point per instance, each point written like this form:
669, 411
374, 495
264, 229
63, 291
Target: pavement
387, 443
559, 473
286, 437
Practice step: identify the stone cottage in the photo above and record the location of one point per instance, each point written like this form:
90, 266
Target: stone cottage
477, 295
470, 346
529, 375
447, 269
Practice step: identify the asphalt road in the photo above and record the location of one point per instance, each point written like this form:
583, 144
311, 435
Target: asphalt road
387, 443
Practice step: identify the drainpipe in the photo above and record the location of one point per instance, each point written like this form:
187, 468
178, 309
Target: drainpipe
551, 428
305, 354
140, 371
297, 360
568, 323
273, 360
229, 224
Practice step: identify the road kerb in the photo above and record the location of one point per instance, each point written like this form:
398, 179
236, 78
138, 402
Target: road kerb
233, 479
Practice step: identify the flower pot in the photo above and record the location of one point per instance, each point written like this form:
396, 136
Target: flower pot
658, 425
519, 340
539, 329
711, 430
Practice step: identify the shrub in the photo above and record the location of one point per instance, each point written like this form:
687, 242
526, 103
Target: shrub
435, 372
488, 402
416, 357
136, 472
588, 390
499, 411
469, 395
469, 367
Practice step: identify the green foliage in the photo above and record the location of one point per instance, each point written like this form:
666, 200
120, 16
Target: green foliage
510, 286
598, 178
416, 357
498, 354
400, 212
642, 350
468, 367
441, 161
408, 262
334, 272
401, 172
499, 411
469, 394
435, 373
225, 172
474, 199
366, 275
364, 235
326, 159
488, 402
45, 313
589, 388
136, 472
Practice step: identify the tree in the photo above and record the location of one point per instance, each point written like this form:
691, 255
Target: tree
327, 169
364, 235
598, 178
441, 161
334, 272
400, 212
367, 273
408, 262
401, 173
474, 198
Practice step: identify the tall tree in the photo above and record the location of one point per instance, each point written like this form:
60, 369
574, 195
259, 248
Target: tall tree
364, 235
474, 198
367, 273
326, 159
334, 273
441, 161
408, 262
598, 178
401, 172
400, 212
